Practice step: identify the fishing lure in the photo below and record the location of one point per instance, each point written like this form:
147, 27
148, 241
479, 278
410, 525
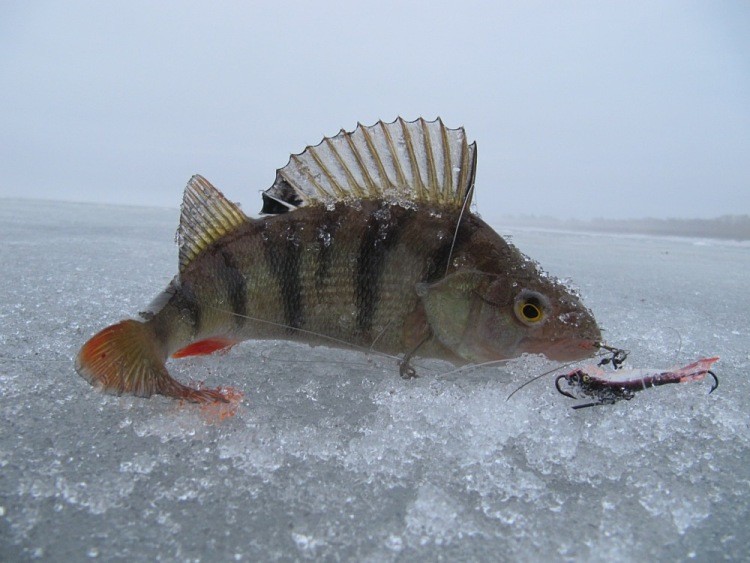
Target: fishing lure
608, 387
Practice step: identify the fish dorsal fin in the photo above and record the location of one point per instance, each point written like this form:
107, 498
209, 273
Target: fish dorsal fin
419, 161
206, 216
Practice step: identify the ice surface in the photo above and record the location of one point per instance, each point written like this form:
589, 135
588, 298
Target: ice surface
332, 455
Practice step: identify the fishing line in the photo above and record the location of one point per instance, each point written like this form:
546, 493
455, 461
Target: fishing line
266, 357
469, 367
599, 354
458, 224
40, 360
532, 380
342, 343
381, 333
679, 345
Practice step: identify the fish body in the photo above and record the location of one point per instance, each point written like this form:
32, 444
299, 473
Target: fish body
368, 242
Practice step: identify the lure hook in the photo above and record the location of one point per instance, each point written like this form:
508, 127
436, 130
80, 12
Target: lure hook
716, 382
617, 358
557, 385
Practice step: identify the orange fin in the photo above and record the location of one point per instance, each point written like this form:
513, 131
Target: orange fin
125, 358
204, 347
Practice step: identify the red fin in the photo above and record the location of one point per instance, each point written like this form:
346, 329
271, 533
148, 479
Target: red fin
204, 347
125, 358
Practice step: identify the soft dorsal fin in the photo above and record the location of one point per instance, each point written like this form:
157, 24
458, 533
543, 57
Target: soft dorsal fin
420, 161
206, 216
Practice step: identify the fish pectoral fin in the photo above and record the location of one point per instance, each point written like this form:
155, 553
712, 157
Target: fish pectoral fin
125, 358
205, 347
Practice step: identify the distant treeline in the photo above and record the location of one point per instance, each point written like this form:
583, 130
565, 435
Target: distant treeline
734, 227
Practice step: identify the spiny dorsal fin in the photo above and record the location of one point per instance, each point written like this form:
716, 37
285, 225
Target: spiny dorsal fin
420, 161
206, 216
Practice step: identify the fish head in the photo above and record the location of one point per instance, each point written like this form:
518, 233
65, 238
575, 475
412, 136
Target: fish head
485, 317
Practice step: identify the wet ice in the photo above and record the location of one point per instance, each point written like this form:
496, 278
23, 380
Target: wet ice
332, 455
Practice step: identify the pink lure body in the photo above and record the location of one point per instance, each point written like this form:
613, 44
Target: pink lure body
610, 386
696, 371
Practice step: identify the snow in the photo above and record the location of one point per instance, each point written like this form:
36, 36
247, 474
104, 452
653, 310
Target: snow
331, 455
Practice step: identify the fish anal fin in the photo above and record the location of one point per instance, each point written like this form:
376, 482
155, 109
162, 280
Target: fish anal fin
205, 217
125, 359
205, 347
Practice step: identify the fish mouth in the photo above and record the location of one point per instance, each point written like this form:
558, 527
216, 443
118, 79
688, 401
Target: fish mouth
567, 350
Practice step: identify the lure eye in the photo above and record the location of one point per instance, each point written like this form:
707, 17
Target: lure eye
530, 307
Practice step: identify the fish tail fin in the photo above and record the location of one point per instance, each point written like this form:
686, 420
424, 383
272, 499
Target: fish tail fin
126, 358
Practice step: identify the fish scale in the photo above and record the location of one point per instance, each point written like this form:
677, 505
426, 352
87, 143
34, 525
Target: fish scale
284, 292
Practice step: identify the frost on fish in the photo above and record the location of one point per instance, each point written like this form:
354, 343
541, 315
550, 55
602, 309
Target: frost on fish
367, 242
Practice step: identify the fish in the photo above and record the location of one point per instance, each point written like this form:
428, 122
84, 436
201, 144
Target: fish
366, 240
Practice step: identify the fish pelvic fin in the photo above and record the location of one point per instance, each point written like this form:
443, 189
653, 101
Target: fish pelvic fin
418, 161
205, 217
126, 358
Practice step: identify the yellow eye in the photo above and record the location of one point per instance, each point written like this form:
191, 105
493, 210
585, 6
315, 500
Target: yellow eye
530, 307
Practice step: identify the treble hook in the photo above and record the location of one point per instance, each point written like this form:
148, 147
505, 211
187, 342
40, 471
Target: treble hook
557, 384
716, 382
618, 356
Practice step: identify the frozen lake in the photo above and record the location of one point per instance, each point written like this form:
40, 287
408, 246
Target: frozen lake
331, 455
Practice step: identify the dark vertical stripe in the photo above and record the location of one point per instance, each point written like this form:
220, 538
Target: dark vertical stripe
283, 253
381, 233
236, 286
187, 303
437, 262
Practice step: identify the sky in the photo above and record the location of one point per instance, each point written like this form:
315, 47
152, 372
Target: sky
579, 109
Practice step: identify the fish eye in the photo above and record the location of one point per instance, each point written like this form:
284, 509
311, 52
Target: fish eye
531, 312
530, 307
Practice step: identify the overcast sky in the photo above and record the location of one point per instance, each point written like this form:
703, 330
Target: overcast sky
579, 109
